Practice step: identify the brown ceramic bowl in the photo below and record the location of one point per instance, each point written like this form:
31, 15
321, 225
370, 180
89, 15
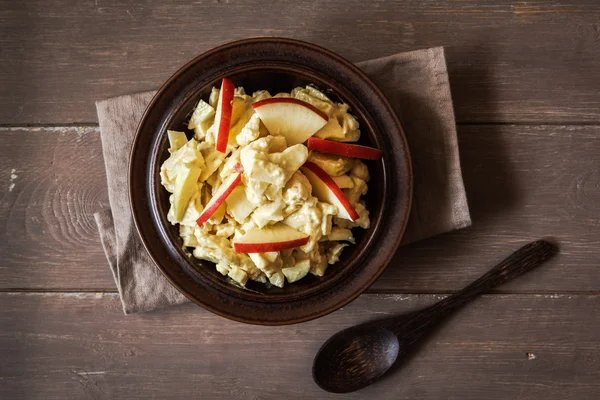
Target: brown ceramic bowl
277, 65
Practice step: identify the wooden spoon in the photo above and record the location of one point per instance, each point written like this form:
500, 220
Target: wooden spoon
358, 356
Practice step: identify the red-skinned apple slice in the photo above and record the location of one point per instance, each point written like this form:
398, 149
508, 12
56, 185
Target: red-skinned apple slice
270, 238
295, 119
325, 189
219, 197
238, 167
344, 149
223, 114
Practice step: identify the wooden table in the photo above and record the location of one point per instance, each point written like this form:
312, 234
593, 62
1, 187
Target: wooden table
525, 78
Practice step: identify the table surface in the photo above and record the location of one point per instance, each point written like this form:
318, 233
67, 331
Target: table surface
525, 78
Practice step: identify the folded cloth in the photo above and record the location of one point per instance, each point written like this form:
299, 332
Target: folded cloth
415, 83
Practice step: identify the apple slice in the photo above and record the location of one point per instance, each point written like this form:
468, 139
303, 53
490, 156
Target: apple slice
219, 197
238, 205
344, 149
295, 119
238, 167
325, 189
223, 114
270, 238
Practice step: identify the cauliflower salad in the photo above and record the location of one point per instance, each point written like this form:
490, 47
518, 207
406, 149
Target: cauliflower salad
269, 187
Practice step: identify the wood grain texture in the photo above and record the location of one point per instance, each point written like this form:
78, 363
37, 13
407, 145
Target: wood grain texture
508, 61
52, 181
81, 346
523, 183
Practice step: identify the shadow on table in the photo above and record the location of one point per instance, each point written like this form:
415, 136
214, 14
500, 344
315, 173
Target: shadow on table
491, 185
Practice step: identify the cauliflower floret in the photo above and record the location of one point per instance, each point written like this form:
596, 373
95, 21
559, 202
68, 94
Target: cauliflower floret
296, 271
338, 234
201, 120
255, 191
313, 91
353, 194
214, 180
248, 265
187, 234
290, 159
316, 257
288, 258
277, 279
349, 123
177, 140
332, 164
271, 256
327, 212
273, 193
212, 160
219, 250
226, 229
186, 156
179, 175
360, 170
363, 220
307, 219
254, 158
238, 275
334, 252
239, 91
238, 205
324, 105
341, 127
296, 191
277, 144
268, 213
241, 114
260, 95
247, 226
218, 215
272, 269
216, 249
250, 131
363, 213
192, 212
262, 168
334, 131
231, 165
343, 181
318, 261
214, 97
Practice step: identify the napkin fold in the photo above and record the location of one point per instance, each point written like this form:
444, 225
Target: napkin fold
415, 83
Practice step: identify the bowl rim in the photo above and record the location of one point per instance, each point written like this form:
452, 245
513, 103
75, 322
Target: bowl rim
365, 283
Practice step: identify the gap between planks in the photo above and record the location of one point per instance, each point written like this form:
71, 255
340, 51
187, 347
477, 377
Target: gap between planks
112, 292
463, 123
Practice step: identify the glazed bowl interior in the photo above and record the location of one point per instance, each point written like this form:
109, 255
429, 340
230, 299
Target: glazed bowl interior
276, 65
275, 80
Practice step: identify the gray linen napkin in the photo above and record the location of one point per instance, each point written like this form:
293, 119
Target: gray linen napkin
416, 84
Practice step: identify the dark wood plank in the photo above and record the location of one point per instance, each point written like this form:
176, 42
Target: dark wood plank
522, 182
508, 61
52, 181
81, 346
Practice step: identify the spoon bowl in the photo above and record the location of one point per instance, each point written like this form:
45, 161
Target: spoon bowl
354, 358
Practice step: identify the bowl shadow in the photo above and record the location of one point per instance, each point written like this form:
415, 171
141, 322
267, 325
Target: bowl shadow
491, 185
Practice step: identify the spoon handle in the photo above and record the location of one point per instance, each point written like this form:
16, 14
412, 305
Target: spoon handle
519, 262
